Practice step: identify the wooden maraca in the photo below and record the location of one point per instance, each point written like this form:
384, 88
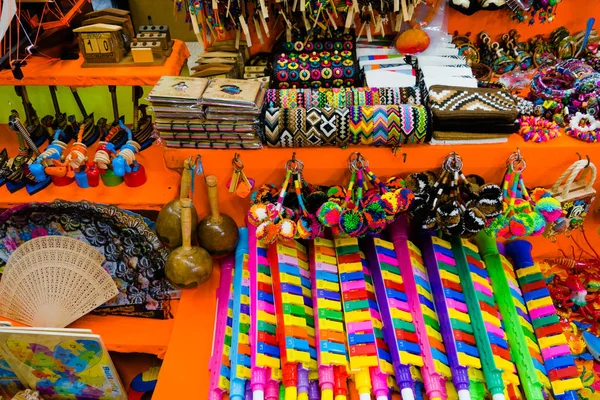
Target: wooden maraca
217, 233
168, 222
188, 266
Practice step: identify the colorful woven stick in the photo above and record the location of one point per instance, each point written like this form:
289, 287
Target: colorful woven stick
498, 366
370, 361
435, 368
332, 354
239, 354
398, 326
295, 321
265, 361
453, 313
219, 360
556, 353
517, 323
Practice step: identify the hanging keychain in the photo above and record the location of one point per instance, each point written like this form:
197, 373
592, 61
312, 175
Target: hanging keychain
239, 183
524, 215
274, 221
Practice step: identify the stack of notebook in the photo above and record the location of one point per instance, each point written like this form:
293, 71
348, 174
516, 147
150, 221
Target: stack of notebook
200, 113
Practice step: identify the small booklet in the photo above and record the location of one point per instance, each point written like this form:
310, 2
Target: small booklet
232, 91
61, 363
178, 87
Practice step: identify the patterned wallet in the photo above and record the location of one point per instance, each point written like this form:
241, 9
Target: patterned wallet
329, 62
491, 106
380, 125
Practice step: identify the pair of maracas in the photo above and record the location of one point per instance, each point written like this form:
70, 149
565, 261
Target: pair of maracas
217, 234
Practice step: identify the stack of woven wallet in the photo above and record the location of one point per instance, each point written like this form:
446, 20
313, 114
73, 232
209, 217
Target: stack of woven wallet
340, 117
471, 115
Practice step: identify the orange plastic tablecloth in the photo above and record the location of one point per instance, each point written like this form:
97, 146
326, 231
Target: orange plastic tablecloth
41, 71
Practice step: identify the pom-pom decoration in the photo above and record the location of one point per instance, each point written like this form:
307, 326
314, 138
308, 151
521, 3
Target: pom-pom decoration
550, 208
523, 214
539, 224
375, 217
521, 225
286, 229
267, 232
473, 220
351, 222
259, 213
329, 214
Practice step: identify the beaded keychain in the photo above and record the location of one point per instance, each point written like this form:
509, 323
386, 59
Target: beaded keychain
524, 214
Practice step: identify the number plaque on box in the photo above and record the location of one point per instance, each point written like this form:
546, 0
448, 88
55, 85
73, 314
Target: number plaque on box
101, 43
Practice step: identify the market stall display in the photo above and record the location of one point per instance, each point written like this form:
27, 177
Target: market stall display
369, 264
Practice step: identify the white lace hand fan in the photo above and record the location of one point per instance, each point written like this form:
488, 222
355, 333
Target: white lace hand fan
51, 281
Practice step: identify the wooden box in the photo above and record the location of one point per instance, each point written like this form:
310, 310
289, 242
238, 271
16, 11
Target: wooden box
155, 37
101, 43
154, 46
125, 23
123, 17
156, 29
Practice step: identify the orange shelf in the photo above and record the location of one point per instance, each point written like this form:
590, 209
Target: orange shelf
184, 373
130, 335
162, 185
41, 71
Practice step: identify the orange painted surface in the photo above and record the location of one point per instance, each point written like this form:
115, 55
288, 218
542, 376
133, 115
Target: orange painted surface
162, 185
130, 335
41, 71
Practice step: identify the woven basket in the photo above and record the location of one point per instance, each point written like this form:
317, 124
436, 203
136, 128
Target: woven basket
51, 281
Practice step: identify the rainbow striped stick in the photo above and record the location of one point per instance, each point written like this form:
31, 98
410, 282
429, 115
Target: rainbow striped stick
218, 364
295, 321
498, 366
524, 347
332, 354
265, 373
370, 360
398, 326
435, 368
239, 354
556, 353
453, 313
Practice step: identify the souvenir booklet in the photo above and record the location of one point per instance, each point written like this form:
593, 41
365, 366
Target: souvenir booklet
61, 364
231, 91
178, 87
9, 382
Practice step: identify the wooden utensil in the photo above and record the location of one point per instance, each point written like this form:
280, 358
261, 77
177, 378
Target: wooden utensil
217, 233
188, 266
168, 222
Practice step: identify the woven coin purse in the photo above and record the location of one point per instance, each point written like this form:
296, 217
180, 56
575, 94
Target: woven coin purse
451, 104
378, 125
329, 62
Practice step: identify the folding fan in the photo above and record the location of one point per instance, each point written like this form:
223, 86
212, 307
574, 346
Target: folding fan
51, 281
134, 256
